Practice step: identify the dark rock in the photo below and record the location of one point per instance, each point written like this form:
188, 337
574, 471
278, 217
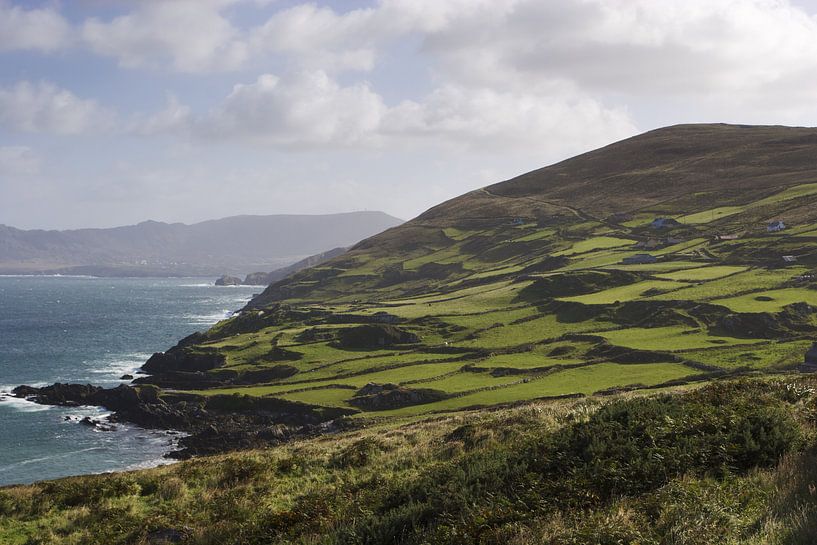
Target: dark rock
811, 355
258, 279
166, 535
374, 336
126, 377
69, 395
182, 360
380, 397
227, 280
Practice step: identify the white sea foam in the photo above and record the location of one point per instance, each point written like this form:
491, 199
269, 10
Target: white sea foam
46, 458
20, 404
126, 364
47, 276
208, 319
156, 462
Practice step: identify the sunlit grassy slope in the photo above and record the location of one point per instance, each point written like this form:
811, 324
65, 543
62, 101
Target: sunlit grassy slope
731, 463
519, 290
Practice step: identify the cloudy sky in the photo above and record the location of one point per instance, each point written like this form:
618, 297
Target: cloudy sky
113, 112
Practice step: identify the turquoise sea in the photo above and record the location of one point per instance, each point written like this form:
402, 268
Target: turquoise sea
89, 330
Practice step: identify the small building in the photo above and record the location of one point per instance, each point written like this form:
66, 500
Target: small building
810, 363
727, 237
664, 223
518, 221
639, 259
790, 258
775, 226
649, 244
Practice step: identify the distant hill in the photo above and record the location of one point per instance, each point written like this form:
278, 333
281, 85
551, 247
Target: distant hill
234, 245
265, 279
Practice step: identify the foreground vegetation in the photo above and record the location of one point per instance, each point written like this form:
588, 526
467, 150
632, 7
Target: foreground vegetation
732, 462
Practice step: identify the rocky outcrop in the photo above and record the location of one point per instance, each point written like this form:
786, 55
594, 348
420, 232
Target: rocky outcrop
810, 362
215, 424
265, 279
381, 397
373, 336
182, 360
228, 280
258, 279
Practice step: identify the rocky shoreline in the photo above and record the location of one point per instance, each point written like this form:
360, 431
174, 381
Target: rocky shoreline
211, 424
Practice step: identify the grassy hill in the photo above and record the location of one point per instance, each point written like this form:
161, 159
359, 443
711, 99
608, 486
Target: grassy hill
505, 369
520, 290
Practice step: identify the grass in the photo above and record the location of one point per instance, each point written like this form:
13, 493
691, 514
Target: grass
794, 192
708, 216
771, 355
670, 338
627, 293
752, 280
524, 360
703, 273
465, 381
769, 301
531, 331
595, 243
582, 380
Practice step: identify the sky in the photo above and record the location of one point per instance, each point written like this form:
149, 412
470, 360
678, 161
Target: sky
114, 112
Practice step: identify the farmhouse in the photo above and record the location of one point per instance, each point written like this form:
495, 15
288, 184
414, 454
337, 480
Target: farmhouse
810, 364
775, 226
639, 259
664, 223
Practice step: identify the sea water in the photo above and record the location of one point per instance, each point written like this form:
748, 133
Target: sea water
89, 330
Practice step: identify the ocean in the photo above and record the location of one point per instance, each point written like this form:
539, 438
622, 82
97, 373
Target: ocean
90, 330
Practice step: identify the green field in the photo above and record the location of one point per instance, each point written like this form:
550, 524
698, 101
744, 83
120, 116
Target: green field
711, 215
671, 338
769, 301
627, 293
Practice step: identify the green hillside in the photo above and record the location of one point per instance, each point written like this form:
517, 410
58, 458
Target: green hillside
523, 290
732, 463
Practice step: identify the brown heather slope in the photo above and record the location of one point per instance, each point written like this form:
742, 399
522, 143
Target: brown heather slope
729, 162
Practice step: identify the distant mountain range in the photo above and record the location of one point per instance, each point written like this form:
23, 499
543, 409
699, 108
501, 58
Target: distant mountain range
234, 245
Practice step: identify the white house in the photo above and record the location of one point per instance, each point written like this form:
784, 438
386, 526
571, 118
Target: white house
776, 226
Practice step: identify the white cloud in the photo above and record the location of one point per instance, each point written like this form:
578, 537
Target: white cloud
187, 35
18, 160
562, 121
173, 117
306, 109
632, 47
310, 109
44, 107
38, 29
